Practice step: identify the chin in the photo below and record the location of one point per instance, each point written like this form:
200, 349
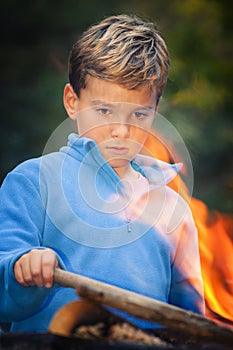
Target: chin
119, 163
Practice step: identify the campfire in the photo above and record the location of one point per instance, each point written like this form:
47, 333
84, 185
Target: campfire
215, 245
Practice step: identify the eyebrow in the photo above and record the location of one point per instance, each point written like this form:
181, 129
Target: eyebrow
102, 103
112, 104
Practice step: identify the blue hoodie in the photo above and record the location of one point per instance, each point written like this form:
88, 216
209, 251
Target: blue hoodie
73, 202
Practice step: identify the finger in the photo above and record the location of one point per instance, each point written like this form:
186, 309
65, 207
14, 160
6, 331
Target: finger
49, 262
19, 274
23, 272
36, 267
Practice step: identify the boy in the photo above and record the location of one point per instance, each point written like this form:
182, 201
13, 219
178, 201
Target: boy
96, 207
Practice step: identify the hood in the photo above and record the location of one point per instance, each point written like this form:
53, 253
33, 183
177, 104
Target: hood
156, 171
86, 151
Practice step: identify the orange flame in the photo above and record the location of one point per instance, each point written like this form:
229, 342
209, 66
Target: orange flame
215, 245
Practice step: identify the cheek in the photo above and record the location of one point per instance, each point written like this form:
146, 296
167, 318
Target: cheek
86, 126
99, 134
89, 124
139, 134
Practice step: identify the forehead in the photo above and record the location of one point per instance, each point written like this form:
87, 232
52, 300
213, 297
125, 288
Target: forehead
102, 90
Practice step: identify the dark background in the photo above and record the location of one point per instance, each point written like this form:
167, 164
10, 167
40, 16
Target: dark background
36, 37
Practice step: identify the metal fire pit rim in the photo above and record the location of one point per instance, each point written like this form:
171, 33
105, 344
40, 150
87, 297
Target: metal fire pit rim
48, 341
54, 341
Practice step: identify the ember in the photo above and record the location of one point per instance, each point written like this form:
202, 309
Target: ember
122, 332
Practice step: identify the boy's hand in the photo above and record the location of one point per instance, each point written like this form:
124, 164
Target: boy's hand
36, 268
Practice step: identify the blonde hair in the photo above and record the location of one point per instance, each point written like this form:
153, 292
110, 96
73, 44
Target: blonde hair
123, 49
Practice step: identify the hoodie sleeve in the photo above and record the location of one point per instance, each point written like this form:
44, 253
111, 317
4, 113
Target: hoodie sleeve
187, 286
22, 218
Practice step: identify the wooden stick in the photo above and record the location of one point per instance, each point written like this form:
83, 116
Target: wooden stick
144, 307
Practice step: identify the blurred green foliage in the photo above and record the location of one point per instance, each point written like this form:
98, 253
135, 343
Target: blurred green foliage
37, 36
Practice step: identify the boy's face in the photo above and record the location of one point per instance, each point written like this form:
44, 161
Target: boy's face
116, 118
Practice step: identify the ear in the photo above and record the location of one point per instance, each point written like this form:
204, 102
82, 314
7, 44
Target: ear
157, 102
70, 100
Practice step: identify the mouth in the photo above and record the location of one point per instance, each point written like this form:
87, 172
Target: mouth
118, 149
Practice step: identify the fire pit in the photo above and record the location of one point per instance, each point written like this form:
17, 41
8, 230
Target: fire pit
182, 329
63, 335
47, 341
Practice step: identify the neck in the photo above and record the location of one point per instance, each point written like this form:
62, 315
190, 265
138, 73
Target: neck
126, 173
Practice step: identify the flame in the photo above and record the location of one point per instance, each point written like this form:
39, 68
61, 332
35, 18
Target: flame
216, 247
215, 244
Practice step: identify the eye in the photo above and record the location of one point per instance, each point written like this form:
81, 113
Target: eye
103, 111
140, 115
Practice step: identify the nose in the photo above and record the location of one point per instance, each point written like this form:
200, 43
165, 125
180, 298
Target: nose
120, 130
